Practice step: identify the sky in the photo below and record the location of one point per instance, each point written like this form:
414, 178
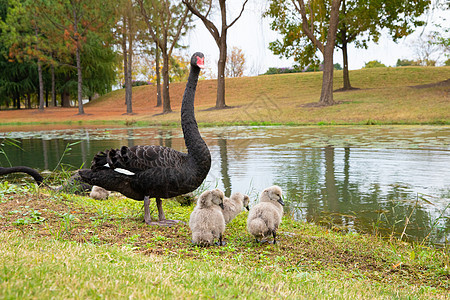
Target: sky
252, 34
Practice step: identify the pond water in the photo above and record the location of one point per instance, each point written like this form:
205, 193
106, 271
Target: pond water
369, 179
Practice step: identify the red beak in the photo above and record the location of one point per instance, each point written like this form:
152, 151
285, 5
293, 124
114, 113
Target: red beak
201, 62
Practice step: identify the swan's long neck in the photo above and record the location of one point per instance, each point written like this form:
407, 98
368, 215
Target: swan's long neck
22, 169
195, 145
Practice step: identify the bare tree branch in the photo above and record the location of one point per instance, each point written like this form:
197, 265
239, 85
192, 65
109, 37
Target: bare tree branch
208, 24
179, 29
149, 25
240, 14
300, 7
209, 8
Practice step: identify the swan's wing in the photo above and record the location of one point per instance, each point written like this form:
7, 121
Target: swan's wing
139, 158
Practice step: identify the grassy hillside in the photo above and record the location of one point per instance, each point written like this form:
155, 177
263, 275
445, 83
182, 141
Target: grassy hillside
385, 95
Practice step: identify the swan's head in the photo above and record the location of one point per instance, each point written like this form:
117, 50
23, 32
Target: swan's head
246, 202
210, 198
198, 60
272, 194
218, 196
242, 198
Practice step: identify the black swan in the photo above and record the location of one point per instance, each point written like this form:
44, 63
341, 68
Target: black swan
144, 172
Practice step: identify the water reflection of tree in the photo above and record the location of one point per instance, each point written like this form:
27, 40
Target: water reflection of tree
45, 153
130, 137
165, 138
301, 179
321, 192
224, 165
330, 192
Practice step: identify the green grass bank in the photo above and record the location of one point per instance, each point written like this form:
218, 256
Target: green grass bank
72, 247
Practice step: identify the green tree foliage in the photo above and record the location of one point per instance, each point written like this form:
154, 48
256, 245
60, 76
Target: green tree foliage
17, 81
21, 34
68, 24
179, 68
16, 78
374, 64
58, 45
360, 21
130, 30
99, 64
307, 26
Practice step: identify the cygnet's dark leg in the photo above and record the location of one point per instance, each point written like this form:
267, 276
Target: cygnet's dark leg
274, 233
221, 241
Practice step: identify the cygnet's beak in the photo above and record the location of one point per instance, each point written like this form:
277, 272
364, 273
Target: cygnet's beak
281, 201
221, 205
247, 207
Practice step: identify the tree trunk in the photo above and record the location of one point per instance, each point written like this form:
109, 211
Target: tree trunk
40, 78
326, 96
347, 85
78, 57
53, 86
166, 95
344, 41
125, 65
80, 84
129, 85
46, 98
158, 78
41, 86
65, 99
221, 41
17, 102
28, 100
220, 101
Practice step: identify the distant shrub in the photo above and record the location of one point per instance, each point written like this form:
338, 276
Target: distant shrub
374, 64
310, 68
405, 62
427, 62
139, 83
314, 67
447, 62
272, 70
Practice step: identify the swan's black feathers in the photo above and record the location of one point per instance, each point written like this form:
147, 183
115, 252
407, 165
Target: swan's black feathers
139, 158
